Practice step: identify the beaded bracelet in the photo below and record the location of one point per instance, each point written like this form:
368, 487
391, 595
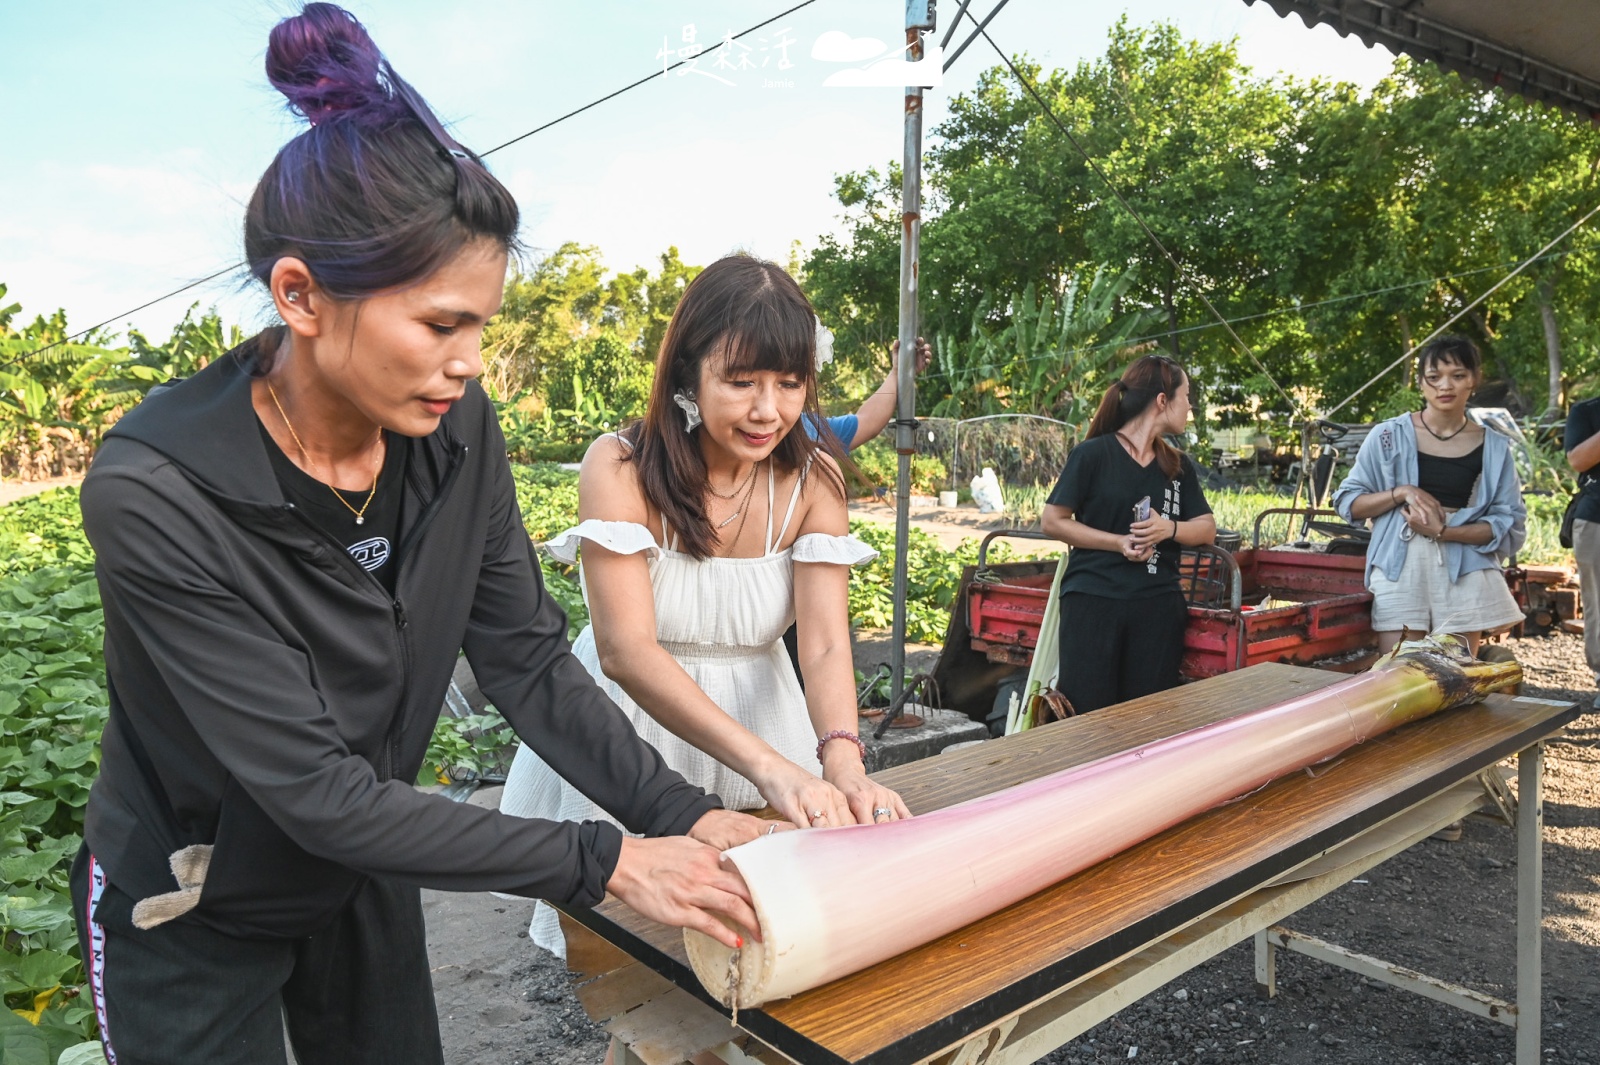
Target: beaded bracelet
842, 734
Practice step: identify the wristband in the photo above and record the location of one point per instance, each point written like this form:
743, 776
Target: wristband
841, 734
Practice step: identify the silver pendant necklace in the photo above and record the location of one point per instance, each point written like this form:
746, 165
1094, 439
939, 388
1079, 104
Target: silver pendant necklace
749, 492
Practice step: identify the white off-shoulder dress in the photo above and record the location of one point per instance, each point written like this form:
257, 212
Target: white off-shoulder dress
723, 620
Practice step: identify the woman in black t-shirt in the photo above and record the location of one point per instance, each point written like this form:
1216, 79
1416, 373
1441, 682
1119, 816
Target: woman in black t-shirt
1582, 446
1126, 503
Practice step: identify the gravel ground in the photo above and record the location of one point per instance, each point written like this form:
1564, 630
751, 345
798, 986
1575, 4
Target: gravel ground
1447, 909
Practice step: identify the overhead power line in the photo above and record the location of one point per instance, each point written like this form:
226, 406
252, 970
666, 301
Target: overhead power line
504, 144
649, 77
1491, 290
1276, 312
950, 60
1149, 233
96, 328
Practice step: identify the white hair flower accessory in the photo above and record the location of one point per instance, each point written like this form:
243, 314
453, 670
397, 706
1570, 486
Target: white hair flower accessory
691, 409
824, 345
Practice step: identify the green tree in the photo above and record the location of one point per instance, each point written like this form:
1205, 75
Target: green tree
1053, 356
1179, 127
565, 301
604, 368
1335, 226
51, 410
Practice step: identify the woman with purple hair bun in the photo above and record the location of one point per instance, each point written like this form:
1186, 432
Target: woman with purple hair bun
292, 548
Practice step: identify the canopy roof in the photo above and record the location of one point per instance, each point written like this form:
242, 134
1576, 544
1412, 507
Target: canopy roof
1546, 50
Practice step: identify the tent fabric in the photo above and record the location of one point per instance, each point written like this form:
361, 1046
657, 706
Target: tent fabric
1545, 50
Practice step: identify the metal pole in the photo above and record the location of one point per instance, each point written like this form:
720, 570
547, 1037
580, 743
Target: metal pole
920, 19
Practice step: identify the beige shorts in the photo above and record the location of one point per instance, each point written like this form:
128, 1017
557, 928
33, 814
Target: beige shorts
1424, 600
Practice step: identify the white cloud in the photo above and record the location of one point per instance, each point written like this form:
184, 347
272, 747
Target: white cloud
101, 238
891, 72
836, 46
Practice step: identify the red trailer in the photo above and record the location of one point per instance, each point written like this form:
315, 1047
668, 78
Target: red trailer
1303, 604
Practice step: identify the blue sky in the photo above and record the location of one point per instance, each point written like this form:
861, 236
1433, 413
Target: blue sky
136, 131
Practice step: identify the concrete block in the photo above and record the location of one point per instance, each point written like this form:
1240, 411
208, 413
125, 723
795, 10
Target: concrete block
939, 730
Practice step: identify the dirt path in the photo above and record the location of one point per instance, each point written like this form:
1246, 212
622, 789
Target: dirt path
951, 525
11, 491
1448, 909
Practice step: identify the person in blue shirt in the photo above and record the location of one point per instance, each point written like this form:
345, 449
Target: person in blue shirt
875, 412
853, 430
1445, 505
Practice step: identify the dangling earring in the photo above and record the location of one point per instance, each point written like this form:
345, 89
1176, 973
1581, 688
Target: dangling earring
691, 409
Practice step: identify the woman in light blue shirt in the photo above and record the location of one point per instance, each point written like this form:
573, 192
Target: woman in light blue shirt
1446, 508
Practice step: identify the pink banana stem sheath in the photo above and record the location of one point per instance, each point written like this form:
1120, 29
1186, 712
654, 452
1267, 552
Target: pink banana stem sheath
973, 859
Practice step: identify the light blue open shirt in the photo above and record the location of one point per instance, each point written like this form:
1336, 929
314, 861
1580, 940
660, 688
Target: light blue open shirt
1388, 459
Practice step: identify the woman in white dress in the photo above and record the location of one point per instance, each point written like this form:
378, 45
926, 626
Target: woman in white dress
706, 529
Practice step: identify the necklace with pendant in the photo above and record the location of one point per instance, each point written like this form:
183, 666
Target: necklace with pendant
749, 493
733, 494
361, 515
1423, 418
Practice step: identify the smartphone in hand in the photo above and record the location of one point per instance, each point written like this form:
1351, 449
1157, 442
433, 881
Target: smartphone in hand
1141, 510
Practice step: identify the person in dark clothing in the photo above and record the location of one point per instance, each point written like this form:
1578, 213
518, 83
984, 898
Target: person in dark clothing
1126, 503
1582, 445
293, 546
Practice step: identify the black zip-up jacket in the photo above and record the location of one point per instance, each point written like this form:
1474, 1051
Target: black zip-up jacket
268, 696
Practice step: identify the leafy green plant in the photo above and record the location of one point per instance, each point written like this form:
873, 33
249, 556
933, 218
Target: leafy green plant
463, 748
53, 706
600, 368
548, 497
933, 575
43, 530
58, 399
879, 463
1051, 354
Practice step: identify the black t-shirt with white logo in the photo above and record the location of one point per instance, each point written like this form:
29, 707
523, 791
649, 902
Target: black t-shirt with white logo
1102, 484
374, 542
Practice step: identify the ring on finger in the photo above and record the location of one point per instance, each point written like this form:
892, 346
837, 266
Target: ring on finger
771, 829
881, 811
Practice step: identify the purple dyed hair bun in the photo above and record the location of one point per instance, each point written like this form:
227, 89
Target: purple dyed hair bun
325, 63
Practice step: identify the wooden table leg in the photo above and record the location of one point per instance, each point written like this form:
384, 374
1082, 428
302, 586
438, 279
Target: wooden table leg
1530, 901
620, 1054
1266, 966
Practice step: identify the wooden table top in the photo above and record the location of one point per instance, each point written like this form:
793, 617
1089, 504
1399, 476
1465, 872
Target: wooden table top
931, 998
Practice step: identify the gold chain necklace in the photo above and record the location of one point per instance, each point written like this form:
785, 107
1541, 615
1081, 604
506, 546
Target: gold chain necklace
361, 515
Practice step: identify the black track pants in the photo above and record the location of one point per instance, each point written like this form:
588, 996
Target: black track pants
1113, 650
356, 993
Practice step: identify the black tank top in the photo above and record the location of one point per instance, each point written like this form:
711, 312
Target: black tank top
1450, 481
